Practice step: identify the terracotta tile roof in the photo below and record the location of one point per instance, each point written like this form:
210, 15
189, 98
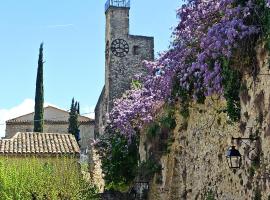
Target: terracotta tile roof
40, 144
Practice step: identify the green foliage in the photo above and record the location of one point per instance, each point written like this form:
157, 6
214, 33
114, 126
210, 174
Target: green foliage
73, 127
231, 84
136, 84
168, 119
39, 96
119, 160
160, 132
43, 178
153, 130
170, 141
147, 169
179, 92
185, 99
165, 122
265, 22
258, 194
251, 171
210, 195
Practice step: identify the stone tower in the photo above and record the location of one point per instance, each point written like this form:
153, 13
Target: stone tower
124, 54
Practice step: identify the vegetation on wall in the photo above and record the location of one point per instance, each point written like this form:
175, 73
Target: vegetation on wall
231, 84
120, 157
159, 132
119, 160
258, 194
147, 169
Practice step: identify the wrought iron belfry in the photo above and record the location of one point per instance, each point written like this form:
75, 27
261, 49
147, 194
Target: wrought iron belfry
117, 3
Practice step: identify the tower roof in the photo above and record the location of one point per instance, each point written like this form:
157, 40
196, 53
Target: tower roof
117, 3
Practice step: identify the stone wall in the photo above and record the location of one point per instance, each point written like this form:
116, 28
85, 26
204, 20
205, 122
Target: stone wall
196, 166
100, 112
95, 169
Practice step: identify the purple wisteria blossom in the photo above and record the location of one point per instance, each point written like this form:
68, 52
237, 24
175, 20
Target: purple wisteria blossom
208, 31
268, 3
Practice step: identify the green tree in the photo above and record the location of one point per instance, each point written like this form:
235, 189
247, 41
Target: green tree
119, 157
73, 127
39, 98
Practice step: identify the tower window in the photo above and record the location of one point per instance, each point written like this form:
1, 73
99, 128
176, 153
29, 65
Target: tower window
136, 50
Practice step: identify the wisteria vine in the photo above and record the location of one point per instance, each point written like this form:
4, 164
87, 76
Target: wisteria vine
208, 33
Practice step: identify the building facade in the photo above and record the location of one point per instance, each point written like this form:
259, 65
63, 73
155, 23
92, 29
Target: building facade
55, 121
124, 54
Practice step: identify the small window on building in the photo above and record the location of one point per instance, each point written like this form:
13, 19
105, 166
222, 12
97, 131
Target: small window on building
136, 50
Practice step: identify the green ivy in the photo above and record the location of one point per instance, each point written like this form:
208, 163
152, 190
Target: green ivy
168, 119
265, 21
210, 195
153, 130
258, 194
136, 84
160, 131
148, 168
185, 99
231, 84
119, 159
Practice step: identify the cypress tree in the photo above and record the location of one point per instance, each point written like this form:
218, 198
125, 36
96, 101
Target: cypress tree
78, 108
39, 97
73, 119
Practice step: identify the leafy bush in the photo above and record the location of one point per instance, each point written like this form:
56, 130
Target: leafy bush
231, 84
147, 169
258, 194
168, 119
153, 130
119, 160
42, 178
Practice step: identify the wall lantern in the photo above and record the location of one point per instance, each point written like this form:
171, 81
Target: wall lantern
234, 157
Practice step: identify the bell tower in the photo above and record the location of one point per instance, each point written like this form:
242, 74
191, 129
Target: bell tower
124, 54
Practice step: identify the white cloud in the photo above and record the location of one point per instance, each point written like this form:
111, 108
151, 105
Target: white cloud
27, 106
88, 111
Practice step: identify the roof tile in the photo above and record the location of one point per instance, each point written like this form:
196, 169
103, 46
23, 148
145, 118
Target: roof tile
40, 144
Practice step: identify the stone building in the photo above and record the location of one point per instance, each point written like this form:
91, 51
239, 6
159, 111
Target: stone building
124, 54
55, 121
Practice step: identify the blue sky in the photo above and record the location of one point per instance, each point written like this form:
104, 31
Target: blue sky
73, 35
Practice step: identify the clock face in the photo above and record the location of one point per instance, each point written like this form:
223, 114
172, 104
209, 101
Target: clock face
119, 48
